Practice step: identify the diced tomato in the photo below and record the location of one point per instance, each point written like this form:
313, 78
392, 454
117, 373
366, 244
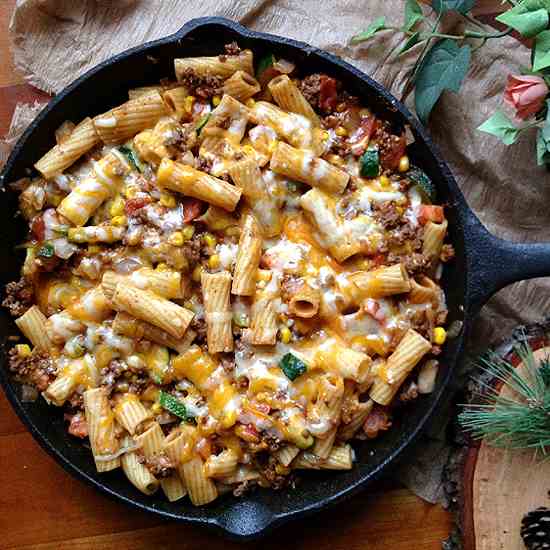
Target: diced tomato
38, 228
359, 140
378, 259
328, 95
192, 208
430, 213
390, 156
133, 205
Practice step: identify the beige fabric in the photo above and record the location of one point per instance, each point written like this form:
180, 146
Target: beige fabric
55, 41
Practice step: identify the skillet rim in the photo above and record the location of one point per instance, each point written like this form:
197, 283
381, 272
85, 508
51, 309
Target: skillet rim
230, 528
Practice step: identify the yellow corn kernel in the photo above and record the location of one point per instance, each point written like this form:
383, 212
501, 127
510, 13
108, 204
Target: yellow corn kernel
131, 191
162, 267
216, 100
176, 239
263, 275
119, 221
285, 335
187, 232
214, 261
341, 131
272, 146
94, 249
209, 240
439, 336
168, 200
250, 102
249, 150
404, 164
326, 135
385, 181
117, 207
23, 350
156, 408
196, 275
188, 103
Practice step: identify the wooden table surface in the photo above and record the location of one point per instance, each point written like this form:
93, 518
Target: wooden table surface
43, 507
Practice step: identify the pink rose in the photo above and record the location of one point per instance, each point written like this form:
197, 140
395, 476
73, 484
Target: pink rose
526, 94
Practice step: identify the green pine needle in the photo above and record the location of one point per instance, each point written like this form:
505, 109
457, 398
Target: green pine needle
518, 422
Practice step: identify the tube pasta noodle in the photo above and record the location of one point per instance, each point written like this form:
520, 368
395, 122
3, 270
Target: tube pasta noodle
288, 97
82, 138
138, 474
406, 356
272, 325
167, 284
248, 258
130, 412
305, 302
320, 206
101, 429
263, 325
175, 100
247, 176
432, 239
425, 290
194, 183
79, 205
153, 309
224, 67
385, 281
241, 86
125, 121
294, 128
201, 489
227, 121
217, 309
152, 444
301, 165
33, 325
127, 325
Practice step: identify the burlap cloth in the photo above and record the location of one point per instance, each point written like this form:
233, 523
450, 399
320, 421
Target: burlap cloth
55, 41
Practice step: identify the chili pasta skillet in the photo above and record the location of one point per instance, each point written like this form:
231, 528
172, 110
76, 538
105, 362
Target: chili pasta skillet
467, 281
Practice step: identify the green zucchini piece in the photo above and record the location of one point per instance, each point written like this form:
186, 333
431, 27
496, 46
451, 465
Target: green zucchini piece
424, 183
174, 405
370, 163
292, 366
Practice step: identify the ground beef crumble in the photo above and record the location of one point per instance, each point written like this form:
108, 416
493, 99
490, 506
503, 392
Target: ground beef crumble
37, 369
19, 297
198, 325
232, 48
77, 424
377, 421
387, 214
204, 87
409, 392
159, 465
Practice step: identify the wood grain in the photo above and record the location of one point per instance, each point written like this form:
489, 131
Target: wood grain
44, 508
506, 485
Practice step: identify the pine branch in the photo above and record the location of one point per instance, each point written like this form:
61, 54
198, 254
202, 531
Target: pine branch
521, 421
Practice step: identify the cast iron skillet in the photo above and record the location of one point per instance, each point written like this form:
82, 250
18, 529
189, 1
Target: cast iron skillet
483, 265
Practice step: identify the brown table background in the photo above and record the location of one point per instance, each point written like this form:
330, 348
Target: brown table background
43, 507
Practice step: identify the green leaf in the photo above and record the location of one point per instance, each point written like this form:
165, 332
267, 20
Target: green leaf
461, 6
201, 123
501, 126
174, 405
377, 25
528, 18
543, 140
411, 41
292, 366
542, 51
413, 14
443, 68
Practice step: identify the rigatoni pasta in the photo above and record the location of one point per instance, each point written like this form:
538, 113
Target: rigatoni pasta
228, 278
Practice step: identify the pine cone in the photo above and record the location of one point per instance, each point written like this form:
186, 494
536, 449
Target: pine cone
535, 529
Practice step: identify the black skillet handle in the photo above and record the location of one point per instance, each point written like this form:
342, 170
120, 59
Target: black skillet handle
494, 263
